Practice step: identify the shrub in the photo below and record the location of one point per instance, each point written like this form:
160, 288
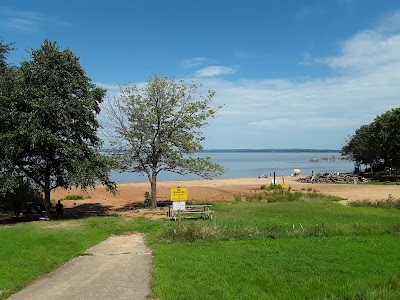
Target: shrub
147, 199
74, 197
19, 193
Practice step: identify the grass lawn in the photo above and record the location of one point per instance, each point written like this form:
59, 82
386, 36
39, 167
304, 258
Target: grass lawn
307, 248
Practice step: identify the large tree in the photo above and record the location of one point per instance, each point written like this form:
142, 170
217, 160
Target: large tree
48, 122
377, 143
158, 126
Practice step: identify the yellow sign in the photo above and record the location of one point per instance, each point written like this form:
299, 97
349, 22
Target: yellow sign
179, 194
284, 185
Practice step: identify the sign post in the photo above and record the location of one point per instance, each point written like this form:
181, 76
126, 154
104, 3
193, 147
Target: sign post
179, 198
179, 194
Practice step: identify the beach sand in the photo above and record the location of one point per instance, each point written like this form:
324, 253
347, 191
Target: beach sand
220, 189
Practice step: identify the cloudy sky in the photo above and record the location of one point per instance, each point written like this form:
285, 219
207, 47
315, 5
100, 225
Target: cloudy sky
290, 74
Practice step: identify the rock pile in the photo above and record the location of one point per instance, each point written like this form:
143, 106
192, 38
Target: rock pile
329, 158
333, 178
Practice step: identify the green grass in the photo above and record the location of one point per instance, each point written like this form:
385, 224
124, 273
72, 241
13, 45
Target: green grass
29, 250
308, 247
311, 268
74, 197
257, 250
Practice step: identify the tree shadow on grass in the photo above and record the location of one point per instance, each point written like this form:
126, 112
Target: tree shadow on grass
77, 212
86, 210
138, 205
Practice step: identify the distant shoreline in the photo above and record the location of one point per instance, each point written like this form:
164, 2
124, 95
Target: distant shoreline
291, 150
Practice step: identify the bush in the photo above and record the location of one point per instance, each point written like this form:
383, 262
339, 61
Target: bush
18, 194
74, 197
147, 199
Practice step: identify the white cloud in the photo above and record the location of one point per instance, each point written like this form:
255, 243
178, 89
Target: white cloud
369, 50
328, 108
112, 88
194, 62
313, 112
26, 21
214, 71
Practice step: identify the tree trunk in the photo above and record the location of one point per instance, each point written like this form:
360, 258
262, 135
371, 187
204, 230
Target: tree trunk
47, 202
153, 184
47, 192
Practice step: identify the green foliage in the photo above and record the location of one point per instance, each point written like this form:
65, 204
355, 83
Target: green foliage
147, 199
274, 187
377, 143
158, 128
48, 122
74, 197
18, 194
4, 50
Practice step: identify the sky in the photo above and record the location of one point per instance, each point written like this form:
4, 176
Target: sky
289, 74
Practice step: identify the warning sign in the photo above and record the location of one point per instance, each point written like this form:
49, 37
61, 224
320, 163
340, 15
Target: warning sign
179, 194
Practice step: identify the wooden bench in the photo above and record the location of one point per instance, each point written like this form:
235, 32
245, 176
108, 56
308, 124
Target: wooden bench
201, 210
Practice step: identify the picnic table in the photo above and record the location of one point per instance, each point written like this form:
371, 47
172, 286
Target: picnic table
200, 210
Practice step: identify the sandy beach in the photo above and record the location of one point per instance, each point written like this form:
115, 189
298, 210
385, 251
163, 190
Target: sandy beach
221, 189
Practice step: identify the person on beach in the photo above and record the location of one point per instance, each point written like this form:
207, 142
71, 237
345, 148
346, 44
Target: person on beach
59, 209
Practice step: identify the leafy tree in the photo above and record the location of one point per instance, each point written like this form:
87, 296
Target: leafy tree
377, 143
4, 50
387, 131
360, 147
157, 128
49, 125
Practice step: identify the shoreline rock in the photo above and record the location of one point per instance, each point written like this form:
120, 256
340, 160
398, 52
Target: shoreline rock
328, 158
333, 178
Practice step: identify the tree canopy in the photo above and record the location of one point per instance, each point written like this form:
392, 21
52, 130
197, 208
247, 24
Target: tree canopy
48, 122
378, 143
158, 127
4, 50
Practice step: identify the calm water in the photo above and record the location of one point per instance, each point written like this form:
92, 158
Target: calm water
253, 164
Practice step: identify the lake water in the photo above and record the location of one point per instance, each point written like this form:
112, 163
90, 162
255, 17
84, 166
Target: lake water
254, 164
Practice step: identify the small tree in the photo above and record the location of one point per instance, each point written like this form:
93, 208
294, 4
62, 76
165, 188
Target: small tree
157, 128
48, 123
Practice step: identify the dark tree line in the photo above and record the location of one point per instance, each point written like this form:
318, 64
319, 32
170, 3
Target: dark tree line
377, 145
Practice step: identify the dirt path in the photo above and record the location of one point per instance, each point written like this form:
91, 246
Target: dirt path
116, 269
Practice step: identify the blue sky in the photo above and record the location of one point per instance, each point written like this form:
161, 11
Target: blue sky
291, 74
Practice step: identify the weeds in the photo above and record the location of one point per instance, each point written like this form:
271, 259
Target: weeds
244, 231
74, 197
388, 203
